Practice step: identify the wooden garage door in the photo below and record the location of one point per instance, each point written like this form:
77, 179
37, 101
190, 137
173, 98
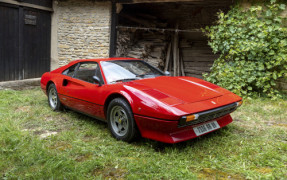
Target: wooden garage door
25, 35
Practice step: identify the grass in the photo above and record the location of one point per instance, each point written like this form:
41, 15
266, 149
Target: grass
254, 146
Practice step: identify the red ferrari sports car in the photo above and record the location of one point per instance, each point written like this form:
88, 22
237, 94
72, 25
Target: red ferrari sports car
135, 98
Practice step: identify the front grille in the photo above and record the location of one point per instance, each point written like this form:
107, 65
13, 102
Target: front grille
210, 115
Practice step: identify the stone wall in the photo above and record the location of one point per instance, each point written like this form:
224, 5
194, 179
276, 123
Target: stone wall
80, 30
282, 84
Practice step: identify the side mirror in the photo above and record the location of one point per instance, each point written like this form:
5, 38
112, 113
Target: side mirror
166, 73
97, 80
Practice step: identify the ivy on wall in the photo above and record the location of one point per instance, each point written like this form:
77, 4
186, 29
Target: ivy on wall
252, 44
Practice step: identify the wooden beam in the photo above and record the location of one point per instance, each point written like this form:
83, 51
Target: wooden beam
167, 57
175, 49
182, 65
119, 8
26, 5
178, 61
154, 1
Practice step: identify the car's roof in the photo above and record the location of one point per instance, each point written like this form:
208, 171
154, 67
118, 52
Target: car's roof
103, 59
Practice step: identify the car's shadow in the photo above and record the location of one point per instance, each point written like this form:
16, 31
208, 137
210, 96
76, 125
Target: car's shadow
181, 146
155, 145
85, 118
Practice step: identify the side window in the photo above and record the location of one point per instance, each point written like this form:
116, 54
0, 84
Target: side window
70, 71
86, 71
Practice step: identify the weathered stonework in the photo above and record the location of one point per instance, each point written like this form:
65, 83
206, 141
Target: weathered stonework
83, 30
282, 84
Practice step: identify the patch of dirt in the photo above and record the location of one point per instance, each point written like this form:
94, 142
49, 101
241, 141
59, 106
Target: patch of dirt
23, 109
47, 134
265, 170
51, 125
61, 146
269, 123
38, 132
33, 128
49, 118
56, 118
84, 157
41, 132
111, 173
281, 125
30, 127
212, 174
58, 123
89, 138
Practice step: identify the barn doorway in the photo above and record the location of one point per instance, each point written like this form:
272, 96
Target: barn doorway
169, 35
25, 35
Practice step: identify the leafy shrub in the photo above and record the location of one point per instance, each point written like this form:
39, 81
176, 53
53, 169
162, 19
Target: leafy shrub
252, 44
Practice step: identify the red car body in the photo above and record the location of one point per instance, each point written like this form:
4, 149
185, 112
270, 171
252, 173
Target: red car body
158, 104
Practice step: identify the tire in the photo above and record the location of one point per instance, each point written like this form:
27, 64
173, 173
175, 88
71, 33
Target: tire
53, 98
121, 121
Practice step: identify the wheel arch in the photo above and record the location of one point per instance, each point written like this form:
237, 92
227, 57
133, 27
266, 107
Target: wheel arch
48, 84
112, 96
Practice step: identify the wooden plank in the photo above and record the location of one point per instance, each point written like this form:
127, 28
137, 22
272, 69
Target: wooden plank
21, 44
196, 54
170, 64
167, 57
194, 75
182, 66
192, 2
175, 48
198, 48
185, 43
198, 68
196, 43
194, 71
155, 1
200, 57
193, 47
27, 5
195, 36
178, 62
198, 64
9, 43
191, 52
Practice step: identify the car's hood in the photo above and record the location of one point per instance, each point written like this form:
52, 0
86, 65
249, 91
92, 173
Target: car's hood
178, 90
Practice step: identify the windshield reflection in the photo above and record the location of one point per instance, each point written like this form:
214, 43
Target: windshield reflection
127, 70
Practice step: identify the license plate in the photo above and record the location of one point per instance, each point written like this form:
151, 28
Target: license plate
202, 129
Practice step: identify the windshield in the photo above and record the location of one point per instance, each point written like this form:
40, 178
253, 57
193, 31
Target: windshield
127, 70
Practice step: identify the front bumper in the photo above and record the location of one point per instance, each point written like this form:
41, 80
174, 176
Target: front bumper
169, 131
209, 115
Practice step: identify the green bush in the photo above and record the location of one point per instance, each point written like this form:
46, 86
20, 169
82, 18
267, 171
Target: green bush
252, 44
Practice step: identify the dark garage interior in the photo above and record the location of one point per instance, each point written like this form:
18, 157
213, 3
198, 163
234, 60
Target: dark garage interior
169, 35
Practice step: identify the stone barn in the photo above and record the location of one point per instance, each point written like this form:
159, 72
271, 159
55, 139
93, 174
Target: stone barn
166, 33
41, 35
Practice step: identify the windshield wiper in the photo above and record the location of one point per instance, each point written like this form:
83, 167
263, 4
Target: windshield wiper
124, 80
147, 74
